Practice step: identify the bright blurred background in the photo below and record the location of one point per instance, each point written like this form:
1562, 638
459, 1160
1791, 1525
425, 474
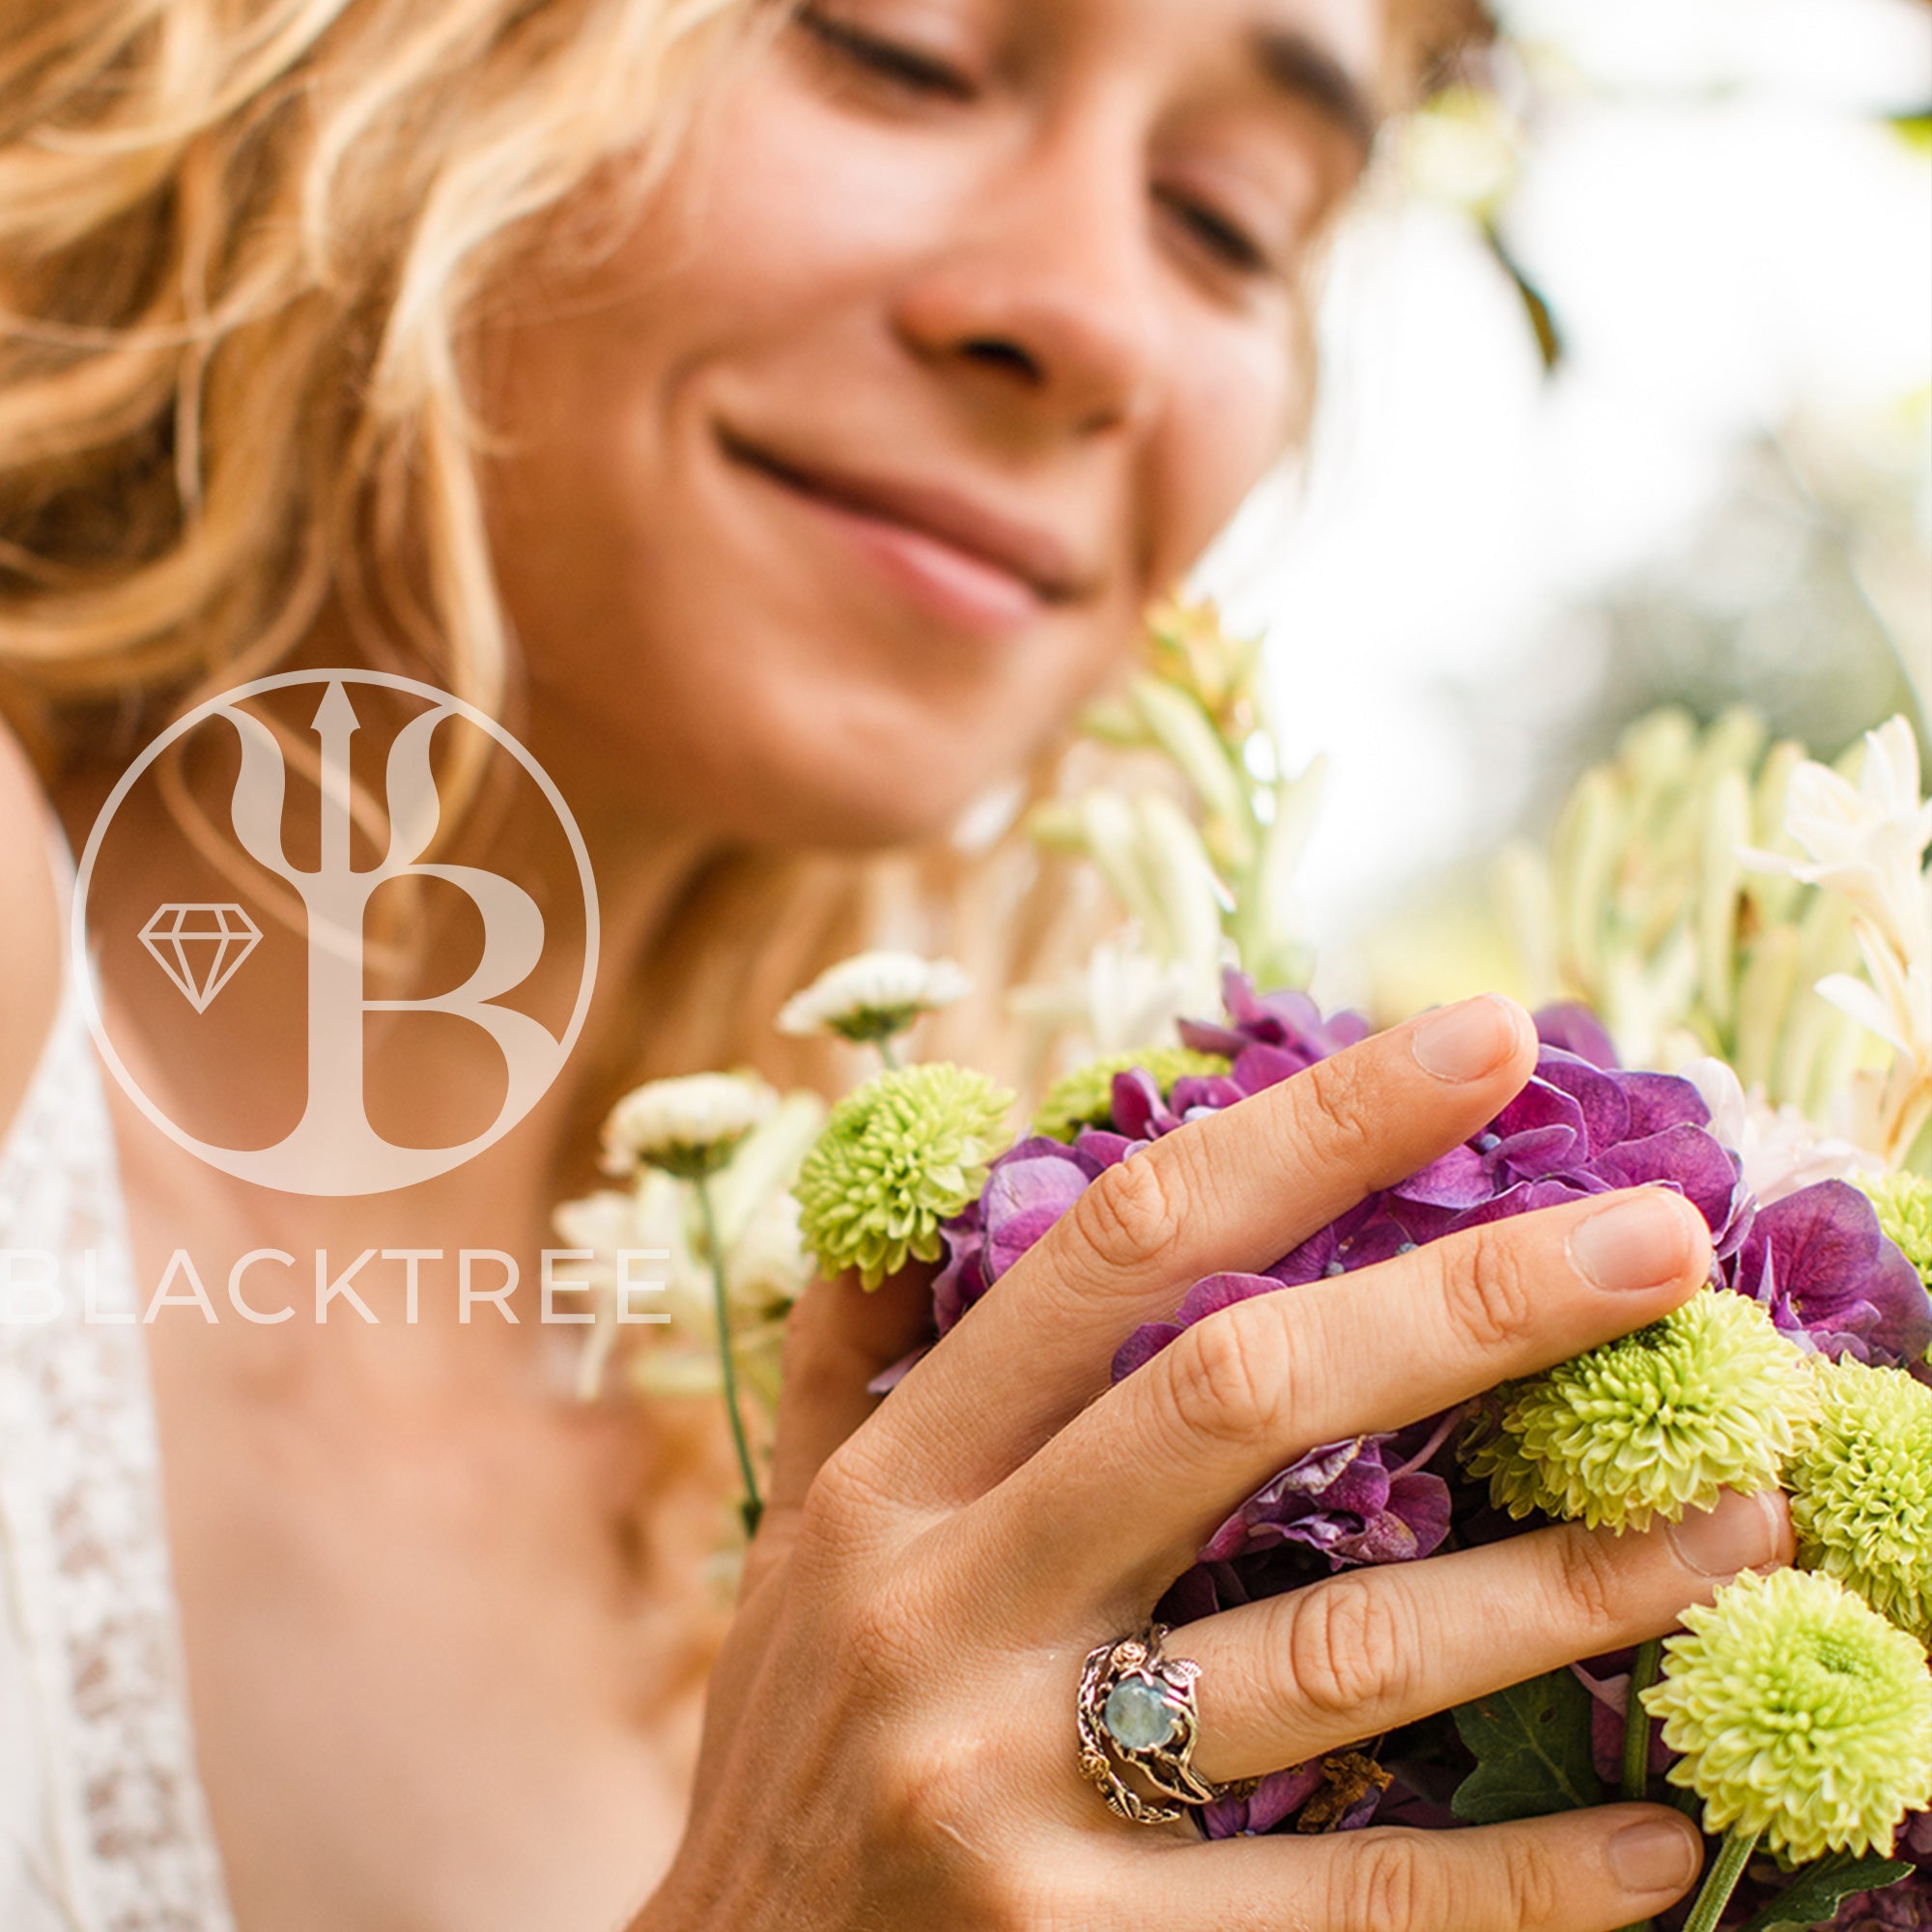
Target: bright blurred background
1626, 400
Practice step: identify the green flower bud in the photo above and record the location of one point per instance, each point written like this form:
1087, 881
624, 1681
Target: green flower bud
897, 1156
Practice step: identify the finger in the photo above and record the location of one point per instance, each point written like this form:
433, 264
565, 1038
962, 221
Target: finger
838, 1337
1235, 1190
1581, 1871
1138, 1481
1288, 1678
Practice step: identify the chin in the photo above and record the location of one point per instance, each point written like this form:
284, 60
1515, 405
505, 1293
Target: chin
840, 807
842, 738
813, 728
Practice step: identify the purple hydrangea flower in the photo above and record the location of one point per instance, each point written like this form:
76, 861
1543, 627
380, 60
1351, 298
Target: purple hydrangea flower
1356, 1502
1915, 1838
1576, 1030
1607, 1680
1290, 1021
1577, 1129
1033, 1183
1365, 1500
1280, 1795
1818, 1264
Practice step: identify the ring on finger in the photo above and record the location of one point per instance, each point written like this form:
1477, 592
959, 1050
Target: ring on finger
1137, 1713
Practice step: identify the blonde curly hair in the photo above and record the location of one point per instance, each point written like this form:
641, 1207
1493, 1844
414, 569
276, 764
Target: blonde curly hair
239, 244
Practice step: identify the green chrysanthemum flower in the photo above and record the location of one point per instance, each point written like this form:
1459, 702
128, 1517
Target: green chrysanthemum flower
1800, 1713
1085, 1096
1903, 1203
897, 1156
1862, 1492
1709, 1398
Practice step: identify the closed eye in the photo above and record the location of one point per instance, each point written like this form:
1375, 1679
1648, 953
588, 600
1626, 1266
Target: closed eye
888, 60
1226, 241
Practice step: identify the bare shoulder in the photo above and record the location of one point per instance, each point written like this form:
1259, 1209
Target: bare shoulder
30, 916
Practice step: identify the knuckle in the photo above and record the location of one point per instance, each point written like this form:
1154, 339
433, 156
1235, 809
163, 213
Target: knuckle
930, 1839
928, 1793
1590, 1582
1341, 1106
842, 1495
1535, 1888
1395, 1886
1050, 1901
1490, 1295
1226, 1379
1347, 1649
1129, 1215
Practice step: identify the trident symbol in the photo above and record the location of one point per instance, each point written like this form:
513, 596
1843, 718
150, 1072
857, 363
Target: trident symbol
333, 1149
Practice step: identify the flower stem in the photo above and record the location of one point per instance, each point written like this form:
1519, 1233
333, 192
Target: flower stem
888, 1052
1637, 1720
752, 1507
1721, 1881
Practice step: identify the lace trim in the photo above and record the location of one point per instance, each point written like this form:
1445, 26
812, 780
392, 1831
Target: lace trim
83, 1533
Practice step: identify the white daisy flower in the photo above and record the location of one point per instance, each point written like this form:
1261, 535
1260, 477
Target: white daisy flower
768, 1265
689, 1126
873, 995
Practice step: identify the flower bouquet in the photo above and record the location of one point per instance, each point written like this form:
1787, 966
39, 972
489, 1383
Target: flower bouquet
1793, 948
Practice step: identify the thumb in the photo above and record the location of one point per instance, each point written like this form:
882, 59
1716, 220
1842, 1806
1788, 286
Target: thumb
838, 1337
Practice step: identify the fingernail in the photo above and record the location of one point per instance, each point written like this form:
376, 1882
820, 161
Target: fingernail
1656, 1856
1741, 1533
1638, 1244
1466, 1041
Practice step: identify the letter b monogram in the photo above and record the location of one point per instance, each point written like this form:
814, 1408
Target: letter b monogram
333, 1149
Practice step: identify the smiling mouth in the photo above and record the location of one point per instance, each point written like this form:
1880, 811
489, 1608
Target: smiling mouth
933, 524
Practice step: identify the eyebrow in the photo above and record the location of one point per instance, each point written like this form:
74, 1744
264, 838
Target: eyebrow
1297, 66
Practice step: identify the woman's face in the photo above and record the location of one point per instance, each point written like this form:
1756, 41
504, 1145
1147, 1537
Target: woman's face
956, 336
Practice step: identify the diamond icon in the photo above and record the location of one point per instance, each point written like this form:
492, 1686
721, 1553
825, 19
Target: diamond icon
200, 946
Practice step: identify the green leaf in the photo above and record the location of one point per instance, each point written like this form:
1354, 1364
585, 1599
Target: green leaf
1532, 1747
1820, 1889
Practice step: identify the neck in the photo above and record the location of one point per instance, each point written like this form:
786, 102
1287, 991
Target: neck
645, 866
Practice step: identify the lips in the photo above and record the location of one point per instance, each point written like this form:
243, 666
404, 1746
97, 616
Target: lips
1036, 557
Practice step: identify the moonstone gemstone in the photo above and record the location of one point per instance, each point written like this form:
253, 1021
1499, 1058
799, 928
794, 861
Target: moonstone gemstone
1138, 1716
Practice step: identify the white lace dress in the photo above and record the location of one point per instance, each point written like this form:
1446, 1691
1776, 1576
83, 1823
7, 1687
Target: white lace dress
104, 1826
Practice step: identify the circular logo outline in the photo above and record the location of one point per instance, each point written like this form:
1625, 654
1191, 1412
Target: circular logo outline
445, 701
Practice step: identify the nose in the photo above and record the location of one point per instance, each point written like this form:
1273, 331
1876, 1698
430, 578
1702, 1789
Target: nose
1042, 300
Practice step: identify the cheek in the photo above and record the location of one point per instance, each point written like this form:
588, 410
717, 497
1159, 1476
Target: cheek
1231, 417
792, 210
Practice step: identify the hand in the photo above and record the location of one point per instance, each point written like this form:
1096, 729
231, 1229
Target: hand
890, 1740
